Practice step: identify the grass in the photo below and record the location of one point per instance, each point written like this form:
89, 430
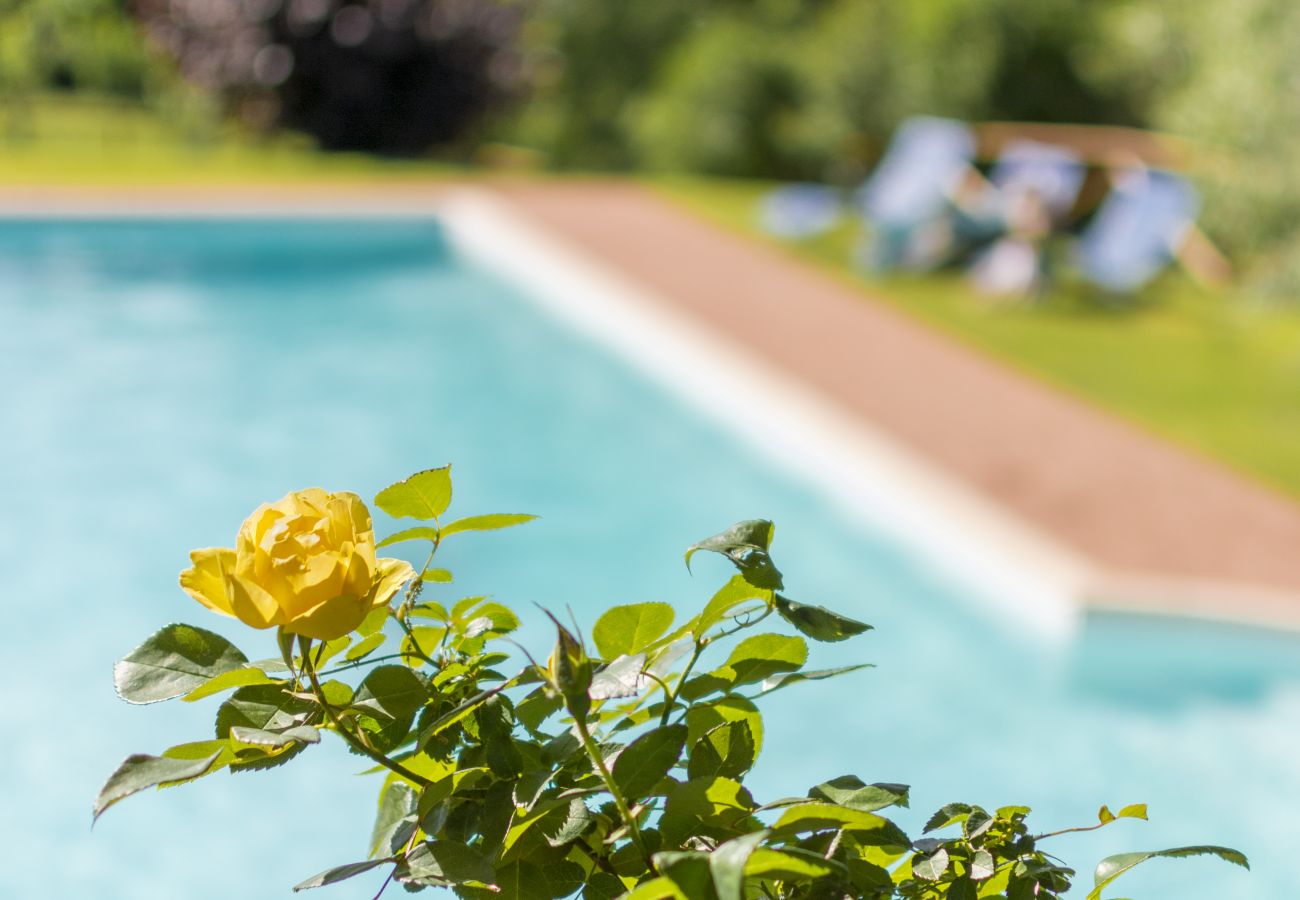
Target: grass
69, 139
1213, 372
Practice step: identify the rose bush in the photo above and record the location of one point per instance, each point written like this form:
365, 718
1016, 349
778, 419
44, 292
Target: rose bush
614, 770
306, 563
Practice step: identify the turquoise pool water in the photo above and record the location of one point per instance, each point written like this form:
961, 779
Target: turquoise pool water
162, 378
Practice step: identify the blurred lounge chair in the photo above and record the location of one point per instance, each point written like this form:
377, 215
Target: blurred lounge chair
1138, 229
799, 211
909, 199
1034, 187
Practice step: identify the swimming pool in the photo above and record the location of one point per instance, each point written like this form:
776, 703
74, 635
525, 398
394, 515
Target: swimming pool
165, 376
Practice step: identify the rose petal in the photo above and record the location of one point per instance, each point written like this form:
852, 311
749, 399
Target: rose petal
331, 619
209, 580
393, 573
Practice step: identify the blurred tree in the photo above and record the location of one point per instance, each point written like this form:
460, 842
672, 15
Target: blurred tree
392, 77
89, 45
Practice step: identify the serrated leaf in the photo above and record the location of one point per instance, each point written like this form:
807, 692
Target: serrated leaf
365, 646
425, 495
621, 678
736, 592
1112, 867
339, 873
628, 629
174, 661
486, 523
140, 771
643, 763
815, 816
785, 679
790, 863
764, 655
930, 867
982, 865
241, 677
745, 544
449, 861
703, 802
305, 734
818, 622
687, 869
396, 806
851, 791
949, 814
725, 751
394, 692
727, 864
265, 707
576, 821
418, 533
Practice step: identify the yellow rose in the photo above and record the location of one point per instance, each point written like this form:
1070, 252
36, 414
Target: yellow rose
306, 562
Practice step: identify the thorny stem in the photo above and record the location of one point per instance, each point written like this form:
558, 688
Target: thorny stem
624, 812
356, 743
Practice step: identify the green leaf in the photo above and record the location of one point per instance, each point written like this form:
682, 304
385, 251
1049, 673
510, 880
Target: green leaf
241, 677
734, 593
495, 729
687, 869
818, 622
643, 763
418, 533
576, 821
394, 692
751, 534
365, 646
660, 888
764, 655
727, 864
621, 678
486, 523
624, 630
791, 863
823, 816
304, 734
1133, 811
785, 679
982, 865
745, 544
339, 873
436, 576
172, 662
726, 751
930, 867
704, 804
140, 771
704, 717
948, 815
450, 862
265, 707
851, 791
396, 813
1113, 867
425, 495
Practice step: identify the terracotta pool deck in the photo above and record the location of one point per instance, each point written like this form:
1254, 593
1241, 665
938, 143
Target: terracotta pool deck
1162, 528
1159, 527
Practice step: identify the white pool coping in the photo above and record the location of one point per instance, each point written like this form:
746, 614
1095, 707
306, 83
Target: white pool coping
1019, 570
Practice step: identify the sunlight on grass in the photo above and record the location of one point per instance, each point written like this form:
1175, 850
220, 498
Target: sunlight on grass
1213, 372
77, 140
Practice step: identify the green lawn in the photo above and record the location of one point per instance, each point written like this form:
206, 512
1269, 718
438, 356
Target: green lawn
67, 139
1213, 372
